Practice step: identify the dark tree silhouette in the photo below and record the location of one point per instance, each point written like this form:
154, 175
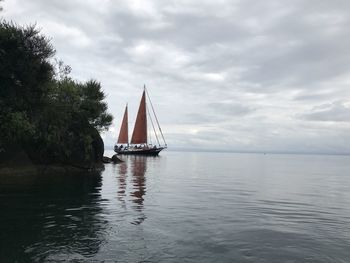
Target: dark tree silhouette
44, 112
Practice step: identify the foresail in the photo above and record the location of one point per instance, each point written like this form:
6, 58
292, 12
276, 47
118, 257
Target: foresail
139, 135
123, 134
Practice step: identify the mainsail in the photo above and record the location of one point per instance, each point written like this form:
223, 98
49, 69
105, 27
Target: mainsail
123, 134
139, 135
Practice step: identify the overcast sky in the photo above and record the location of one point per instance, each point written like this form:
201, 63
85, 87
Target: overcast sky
237, 75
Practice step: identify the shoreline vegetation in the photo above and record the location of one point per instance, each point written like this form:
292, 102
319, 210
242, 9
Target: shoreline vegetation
47, 118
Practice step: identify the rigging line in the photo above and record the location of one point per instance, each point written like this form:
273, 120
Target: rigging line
149, 138
149, 134
155, 133
155, 115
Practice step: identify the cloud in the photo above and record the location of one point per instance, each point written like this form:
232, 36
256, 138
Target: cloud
334, 112
244, 75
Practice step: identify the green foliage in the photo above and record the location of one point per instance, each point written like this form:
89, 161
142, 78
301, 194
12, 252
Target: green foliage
16, 125
25, 71
93, 107
43, 110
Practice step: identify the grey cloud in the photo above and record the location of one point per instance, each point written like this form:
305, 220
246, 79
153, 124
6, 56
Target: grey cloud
215, 113
246, 74
230, 108
313, 96
336, 112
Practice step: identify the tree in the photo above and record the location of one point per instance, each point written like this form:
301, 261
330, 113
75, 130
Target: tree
25, 77
93, 107
51, 116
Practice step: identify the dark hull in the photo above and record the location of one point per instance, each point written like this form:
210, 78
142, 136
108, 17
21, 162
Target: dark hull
148, 152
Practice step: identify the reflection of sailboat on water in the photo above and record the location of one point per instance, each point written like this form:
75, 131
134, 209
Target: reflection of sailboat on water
139, 144
137, 166
123, 170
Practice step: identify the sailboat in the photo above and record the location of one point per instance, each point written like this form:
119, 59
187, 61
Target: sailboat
139, 144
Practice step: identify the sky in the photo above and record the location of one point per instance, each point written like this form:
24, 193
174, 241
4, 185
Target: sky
236, 75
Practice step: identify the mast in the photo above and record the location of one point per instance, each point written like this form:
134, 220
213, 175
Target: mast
123, 134
154, 113
139, 135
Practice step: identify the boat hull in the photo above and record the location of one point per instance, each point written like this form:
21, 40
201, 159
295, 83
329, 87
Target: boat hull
147, 152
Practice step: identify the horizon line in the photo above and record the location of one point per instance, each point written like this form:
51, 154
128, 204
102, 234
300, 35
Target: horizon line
192, 149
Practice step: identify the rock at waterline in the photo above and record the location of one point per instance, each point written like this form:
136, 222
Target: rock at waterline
32, 153
115, 159
106, 159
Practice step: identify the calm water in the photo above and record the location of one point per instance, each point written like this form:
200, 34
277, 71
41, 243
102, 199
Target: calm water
183, 207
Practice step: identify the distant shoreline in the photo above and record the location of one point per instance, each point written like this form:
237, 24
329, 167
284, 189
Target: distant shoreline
179, 149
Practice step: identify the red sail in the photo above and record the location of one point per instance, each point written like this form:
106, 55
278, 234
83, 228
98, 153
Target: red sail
123, 134
139, 136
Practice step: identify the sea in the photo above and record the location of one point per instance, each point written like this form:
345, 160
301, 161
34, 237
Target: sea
182, 207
